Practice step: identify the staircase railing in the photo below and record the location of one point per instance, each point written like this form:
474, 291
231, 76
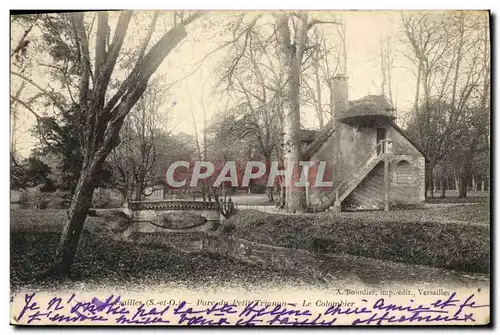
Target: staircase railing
383, 147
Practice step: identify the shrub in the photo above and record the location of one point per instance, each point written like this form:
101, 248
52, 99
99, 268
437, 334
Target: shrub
59, 199
456, 246
36, 198
106, 198
18, 196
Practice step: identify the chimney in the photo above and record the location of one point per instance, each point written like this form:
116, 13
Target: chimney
340, 95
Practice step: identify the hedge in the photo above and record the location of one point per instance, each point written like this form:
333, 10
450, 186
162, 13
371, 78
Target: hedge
455, 246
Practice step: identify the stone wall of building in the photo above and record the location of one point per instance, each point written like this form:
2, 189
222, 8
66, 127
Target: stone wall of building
407, 177
350, 146
406, 185
401, 145
346, 149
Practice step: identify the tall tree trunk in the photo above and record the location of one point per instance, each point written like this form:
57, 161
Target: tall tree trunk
319, 108
282, 195
389, 72
442, 183
80, 204
103, 121
464, 178
292, 58
270, 194
138, 191
295, 196
382, 67
332, 96
200, 158
203, 192
466, 170
430, 178
205, 155
139, 184
343, 38
426, 184
417, 92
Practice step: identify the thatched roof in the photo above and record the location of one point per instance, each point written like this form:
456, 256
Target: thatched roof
369, 110
370, 105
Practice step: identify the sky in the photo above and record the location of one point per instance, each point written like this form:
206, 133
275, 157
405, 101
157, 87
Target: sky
187, 93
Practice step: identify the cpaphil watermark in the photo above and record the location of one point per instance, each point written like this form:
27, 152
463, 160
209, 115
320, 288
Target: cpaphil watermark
185, 174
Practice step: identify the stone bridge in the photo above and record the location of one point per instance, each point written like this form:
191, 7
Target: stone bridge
172, 215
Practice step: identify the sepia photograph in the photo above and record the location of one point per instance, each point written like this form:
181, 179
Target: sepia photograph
250, 168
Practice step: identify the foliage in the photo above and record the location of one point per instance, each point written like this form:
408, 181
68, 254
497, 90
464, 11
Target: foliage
57, 40
106, 198
57, 161
38, 197
30, 173
60, 142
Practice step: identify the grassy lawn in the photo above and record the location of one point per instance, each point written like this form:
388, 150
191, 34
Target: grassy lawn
452, 198
457, 213
473, 210
244, 199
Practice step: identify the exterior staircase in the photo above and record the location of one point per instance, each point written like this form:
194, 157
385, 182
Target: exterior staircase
342, 191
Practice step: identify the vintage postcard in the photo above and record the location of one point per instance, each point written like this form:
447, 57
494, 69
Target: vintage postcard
250, 168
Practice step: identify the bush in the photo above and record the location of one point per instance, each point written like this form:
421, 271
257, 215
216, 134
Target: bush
36, 198
454, 246
59, 200
18, 196
106, 198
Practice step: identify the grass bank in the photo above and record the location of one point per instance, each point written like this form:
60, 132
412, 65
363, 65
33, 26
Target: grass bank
100, 261
395, 236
